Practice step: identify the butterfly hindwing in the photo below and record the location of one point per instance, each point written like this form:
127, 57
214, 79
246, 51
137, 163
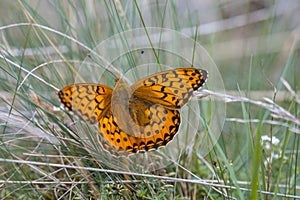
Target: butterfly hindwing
124, 143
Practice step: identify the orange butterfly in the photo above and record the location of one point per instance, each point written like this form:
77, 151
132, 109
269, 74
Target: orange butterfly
141, 117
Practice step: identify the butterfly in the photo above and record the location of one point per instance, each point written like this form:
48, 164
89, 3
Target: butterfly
136, 118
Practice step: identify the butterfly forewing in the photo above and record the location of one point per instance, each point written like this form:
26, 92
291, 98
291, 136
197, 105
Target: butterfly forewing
88, 101
172, 88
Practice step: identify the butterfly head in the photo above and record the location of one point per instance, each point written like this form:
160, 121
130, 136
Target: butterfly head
121, 90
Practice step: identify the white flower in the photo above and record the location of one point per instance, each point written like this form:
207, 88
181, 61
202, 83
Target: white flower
266, 138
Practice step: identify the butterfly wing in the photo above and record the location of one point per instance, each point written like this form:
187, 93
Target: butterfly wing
88, 101
172, 88
117, 141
